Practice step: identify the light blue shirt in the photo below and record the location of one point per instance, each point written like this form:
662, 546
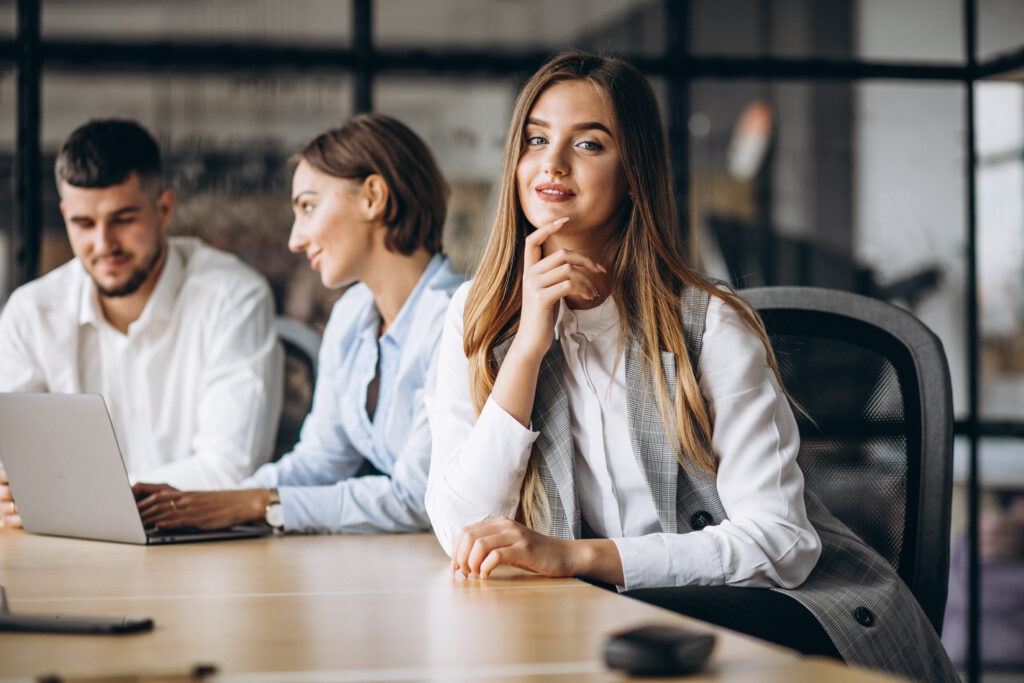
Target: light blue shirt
317, 483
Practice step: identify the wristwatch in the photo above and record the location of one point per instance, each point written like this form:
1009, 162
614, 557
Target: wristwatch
274, 513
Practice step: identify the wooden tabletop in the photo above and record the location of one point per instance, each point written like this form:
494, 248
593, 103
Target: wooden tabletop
334, 608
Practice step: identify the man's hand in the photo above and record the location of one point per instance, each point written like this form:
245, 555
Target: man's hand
9, 516
165, 507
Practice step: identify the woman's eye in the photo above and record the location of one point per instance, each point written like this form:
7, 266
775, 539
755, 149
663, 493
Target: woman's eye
590, 145
306, 207
535, 140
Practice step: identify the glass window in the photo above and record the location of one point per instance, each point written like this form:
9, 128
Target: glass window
909, 206
326, 22
850, 186
879, 30
910, 30
225, 141
1001, 547
627, 26
771, 180
999, 116
464, 122
1000, 24
8, 19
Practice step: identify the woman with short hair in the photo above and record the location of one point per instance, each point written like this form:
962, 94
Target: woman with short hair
369, 204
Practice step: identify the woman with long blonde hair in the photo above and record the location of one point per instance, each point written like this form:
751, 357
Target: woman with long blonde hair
602, 411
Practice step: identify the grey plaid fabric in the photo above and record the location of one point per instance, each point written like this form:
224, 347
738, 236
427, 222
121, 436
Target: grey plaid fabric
869, 613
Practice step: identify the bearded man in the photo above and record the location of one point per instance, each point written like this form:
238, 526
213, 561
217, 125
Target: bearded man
176, 336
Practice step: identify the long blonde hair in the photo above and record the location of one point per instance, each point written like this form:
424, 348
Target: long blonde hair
643, 262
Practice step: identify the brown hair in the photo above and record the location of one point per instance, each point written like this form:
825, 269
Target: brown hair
369, 144
647, 272
103, 153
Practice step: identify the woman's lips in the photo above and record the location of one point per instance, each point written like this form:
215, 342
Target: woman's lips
314, 261
552, 192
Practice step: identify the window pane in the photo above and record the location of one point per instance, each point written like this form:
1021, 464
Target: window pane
464, 123
627, 26
775, 159
1001, 549
225, 141
999, 112
849, 186
266, 21
8, 19
1000, 27
910, 206
878, 30
910, 30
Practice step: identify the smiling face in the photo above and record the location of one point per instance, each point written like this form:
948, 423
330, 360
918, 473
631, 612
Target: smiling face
570, 164
332, 224
118, 233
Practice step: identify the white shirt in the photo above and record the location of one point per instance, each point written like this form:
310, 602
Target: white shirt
193, 388
613, 495
478, 462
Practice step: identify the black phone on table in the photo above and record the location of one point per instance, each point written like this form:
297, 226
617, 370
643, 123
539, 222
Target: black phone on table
68, 623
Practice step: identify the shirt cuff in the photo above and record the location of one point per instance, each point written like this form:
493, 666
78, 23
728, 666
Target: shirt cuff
659, 560
310, 509
508, 425
263, 478
488, 473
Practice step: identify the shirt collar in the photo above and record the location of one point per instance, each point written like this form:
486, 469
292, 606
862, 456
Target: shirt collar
401, 327
161, 302
89, 310
590, 322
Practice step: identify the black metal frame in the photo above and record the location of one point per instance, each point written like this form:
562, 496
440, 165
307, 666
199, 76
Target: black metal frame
30, 54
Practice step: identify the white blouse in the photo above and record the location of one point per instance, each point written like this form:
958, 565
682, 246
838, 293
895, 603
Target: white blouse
477, 463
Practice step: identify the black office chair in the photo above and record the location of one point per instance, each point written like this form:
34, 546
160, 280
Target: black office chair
301, 349
878, 450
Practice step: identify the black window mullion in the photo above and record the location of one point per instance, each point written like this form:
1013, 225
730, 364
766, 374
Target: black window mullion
28, 195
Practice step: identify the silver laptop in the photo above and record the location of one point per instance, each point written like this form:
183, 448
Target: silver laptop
67, 474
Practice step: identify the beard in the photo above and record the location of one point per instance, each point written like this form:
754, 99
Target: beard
135, 280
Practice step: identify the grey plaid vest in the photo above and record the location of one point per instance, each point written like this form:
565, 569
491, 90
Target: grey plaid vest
866, 609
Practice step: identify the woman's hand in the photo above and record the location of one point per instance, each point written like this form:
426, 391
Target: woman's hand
493, 542
486, 545
164, 507
547, 280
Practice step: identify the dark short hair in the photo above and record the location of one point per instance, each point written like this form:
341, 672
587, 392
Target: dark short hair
105, 152
369, 144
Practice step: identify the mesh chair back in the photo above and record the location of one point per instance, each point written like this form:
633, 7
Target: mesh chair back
876, 436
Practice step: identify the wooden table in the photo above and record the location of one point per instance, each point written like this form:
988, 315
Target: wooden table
334, 608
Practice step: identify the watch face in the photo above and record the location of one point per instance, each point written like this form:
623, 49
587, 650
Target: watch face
275, 515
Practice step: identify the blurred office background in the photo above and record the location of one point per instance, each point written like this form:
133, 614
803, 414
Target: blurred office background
814, 142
